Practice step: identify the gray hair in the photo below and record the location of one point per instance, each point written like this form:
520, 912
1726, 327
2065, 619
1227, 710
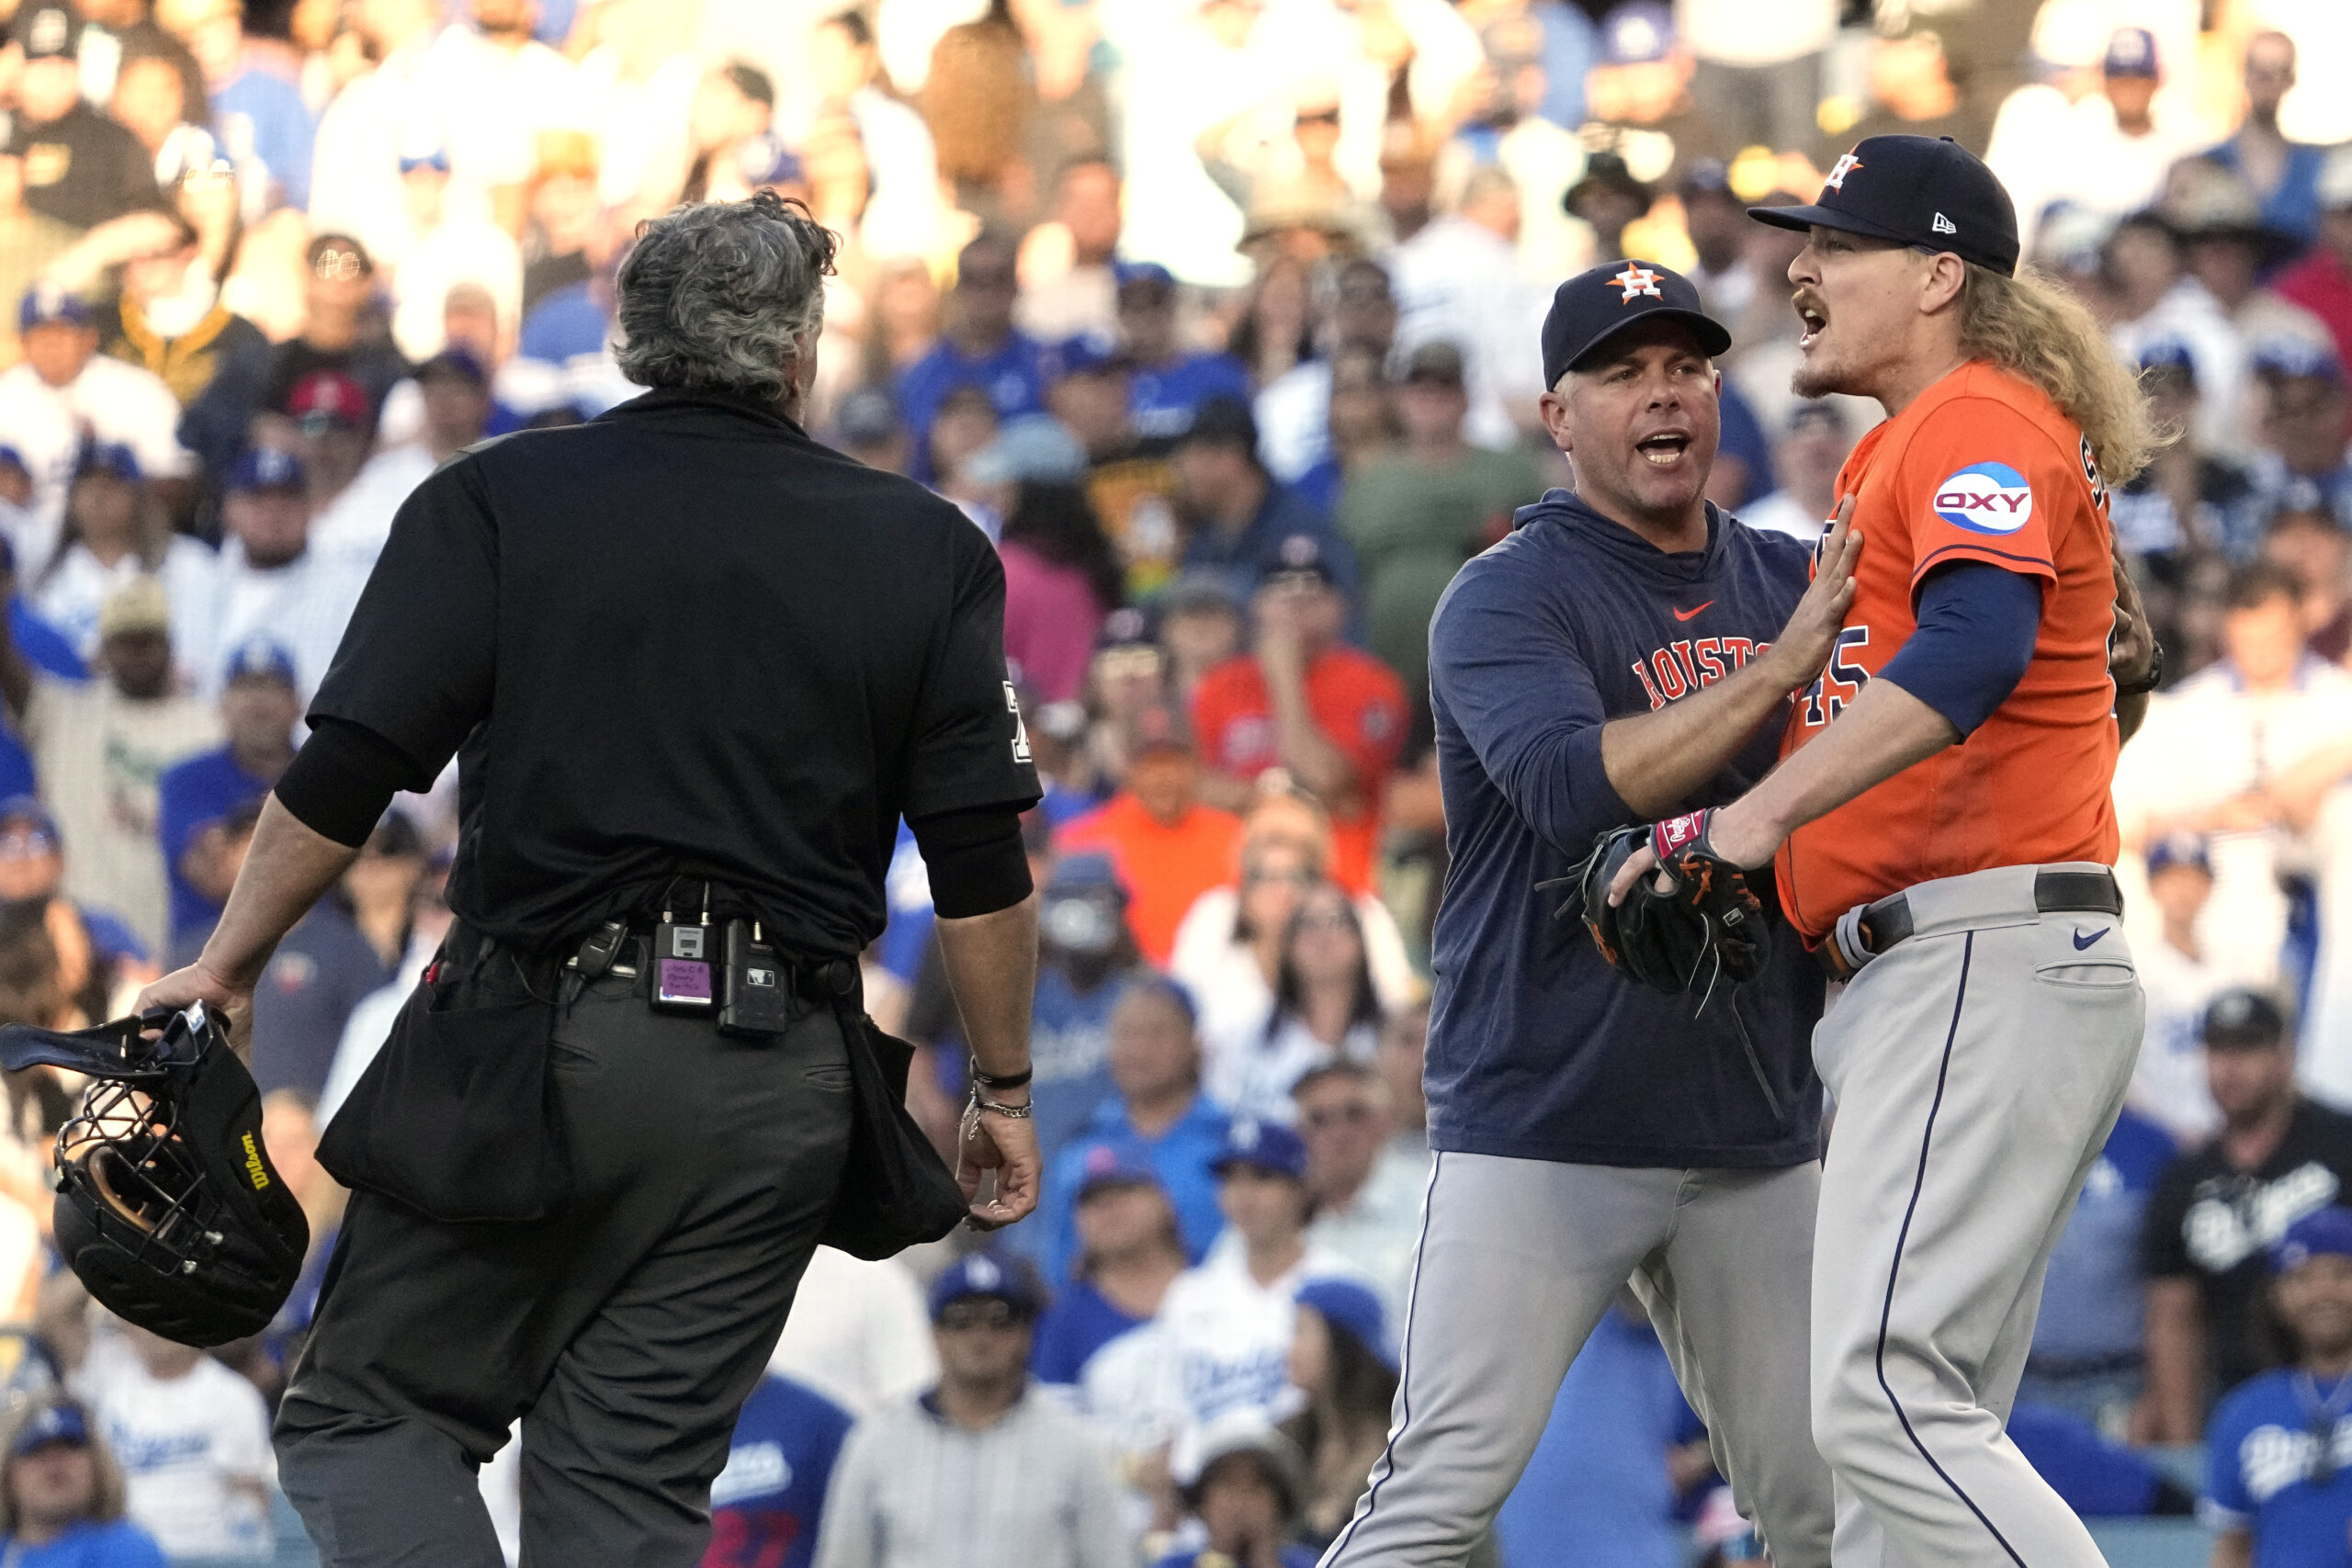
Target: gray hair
713, 296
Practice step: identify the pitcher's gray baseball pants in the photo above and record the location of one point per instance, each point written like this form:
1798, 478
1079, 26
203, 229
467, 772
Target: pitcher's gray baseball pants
1517, 1260
1977, 1068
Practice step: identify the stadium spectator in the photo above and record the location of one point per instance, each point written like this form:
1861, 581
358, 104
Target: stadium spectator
902, 217
1459, 280
1243, 1490
2168, 1082
344, 327
1292, 409
2194, 501
1324, 1011
1642, 110
866, 427
1237, 515
767, 1505
2087, 1354
504, 89
921, 1484
1416, 513
1085, 957
1342, 1362
1129, 1252
253, 82
193, 1440
149, 101
1912, 94
1302, 700
170, 319
2322, 282
100, 749
2274, 1490
2279, 1156
2229, 246
2156, 302
94, 951
62, 1494
453, 390
271, 582
1168, 847
859, 1334
1402, 1056
1359, 423
342, 951
2117, 143
564, 220
82, 168
1804, 470
2282, 174
1166, 384
1075, 293
726, 124
1367, 1191
1200, 627
30, 243
1159, 1121
115, 533
65, 394
1061, 577
2306, 430
196, 798
2313, 545
980, 348
448, 246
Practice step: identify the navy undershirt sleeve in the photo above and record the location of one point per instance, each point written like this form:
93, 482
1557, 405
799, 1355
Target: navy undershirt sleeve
1977, 626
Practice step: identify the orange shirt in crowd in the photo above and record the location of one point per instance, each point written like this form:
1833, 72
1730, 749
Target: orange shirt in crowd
1356, 699
1164, 868
1981, 466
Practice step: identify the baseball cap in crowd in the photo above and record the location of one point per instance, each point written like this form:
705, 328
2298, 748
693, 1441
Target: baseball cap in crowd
1081, 907
1006, 1278
1223, 420
1593, 307
1436, 363
46, 33
867, 417
1200, 1449
1707, 176
1104, 1171
115, 460
1916, 190
2168, 353
2322, 1233
1299, 556
26, 811
264, 467
1173, 988
327, 399
1605, 171
46, 302
1083, 355
138, 605
455, 361
1639, 32
2130, 51
1033, 449
424, 152
1130, 626
260, 658
1158, 727
1352, 1307
62, 1422
2178, 850
1264, 1145
1199, 593
2242, 1019
1143, 280
2289, 358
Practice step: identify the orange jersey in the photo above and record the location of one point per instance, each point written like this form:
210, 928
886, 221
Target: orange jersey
1165, 868
1357, 701
1981, 466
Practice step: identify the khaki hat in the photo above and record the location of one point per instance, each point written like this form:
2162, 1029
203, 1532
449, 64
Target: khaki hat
139, 606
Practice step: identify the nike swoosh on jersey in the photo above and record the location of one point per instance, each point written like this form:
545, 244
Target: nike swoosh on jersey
1686, 614
2081, 942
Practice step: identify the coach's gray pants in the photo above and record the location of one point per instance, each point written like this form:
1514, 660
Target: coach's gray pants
623, 1334
1517, 1260
1977, 1069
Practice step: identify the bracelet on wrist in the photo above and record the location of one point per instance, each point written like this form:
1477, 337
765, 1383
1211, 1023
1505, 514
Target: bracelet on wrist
1002, 1108
1003, 1080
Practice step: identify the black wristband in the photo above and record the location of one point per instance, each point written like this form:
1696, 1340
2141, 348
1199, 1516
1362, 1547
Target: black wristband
1010, 1080
2151, 681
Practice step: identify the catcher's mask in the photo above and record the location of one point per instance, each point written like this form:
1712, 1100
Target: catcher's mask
167, 1205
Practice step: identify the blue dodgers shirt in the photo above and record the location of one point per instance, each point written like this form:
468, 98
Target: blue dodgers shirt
2259, 1452
189, 797
765, 1505
1538, 1050
118, 1544
1013, 376
1160, 399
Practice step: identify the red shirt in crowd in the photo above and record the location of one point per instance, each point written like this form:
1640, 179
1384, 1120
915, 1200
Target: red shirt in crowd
1164, 867
1356, 699
2319, 284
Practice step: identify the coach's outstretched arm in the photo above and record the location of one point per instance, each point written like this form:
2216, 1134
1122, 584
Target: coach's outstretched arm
1655, 761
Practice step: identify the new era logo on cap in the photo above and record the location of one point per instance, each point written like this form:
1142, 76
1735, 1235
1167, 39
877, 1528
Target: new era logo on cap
1943, 225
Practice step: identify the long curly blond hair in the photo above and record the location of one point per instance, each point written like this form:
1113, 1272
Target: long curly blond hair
2032, 327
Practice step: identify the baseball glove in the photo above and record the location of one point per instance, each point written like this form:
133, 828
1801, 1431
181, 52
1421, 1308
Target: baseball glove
1706, 926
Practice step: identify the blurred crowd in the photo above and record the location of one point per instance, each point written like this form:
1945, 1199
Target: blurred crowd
1219, 317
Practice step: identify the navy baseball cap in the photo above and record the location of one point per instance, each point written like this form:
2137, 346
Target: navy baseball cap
260, 658
2242, 1019
1593, 307
1223, 420
1150, 274
2178, 850
1926, 191
2320, 1233
987, 1274
61, 1423
264, 467
1266, 1145
29, 809
1350, 1305
1299, 554
113, 458
2168, 353
46, 302
2130, 51
2295, 356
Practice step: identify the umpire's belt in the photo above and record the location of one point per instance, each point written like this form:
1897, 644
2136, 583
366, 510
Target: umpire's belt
1866, 931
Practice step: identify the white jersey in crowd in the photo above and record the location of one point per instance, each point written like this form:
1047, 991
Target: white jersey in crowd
302, 607
1461, 282
1251, 1071
858, 1334
2169, 1083
357, 522
70, 596
1380, 1231
116, 401
2208, 740
193, 1450
915, 1490
2327, 1020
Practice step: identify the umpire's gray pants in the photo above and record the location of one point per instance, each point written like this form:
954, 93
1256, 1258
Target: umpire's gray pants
1977, 1067
625, 1333
1517, 1260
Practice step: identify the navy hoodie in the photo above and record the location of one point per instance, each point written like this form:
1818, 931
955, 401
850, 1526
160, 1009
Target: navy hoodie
1537, 1049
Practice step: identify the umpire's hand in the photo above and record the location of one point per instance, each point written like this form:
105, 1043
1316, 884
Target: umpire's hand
990, 1141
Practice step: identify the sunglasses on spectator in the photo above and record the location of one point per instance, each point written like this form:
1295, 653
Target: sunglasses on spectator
1119, 663
26, 843
1326, 921
1337, 1115
986, 1312
333, 264
1317, 117
1295, 878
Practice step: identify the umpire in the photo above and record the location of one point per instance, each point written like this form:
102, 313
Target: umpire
696, 667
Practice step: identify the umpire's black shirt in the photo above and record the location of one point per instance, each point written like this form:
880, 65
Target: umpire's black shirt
683, 635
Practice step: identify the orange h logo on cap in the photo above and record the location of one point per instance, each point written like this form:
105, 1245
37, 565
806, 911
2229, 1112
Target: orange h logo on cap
1637, 279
